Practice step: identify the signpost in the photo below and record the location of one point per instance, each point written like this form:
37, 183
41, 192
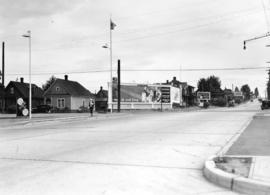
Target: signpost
203, 97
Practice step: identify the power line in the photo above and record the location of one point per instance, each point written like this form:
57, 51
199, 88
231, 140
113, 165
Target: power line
220, 17
180, 30
143, 70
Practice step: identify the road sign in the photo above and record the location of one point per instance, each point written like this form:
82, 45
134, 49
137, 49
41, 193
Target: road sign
25, 112
20, 101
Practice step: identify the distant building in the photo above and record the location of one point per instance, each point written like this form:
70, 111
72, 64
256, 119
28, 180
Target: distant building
188, 94
101, 101
16, 90
64, 94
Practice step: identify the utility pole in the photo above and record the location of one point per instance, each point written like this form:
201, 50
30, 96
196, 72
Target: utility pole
3, 63
268, 86
118, 86
28, 35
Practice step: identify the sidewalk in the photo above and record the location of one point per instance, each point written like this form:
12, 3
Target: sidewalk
253, 143
10, 120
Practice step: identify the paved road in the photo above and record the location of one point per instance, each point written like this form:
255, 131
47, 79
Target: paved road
153, 153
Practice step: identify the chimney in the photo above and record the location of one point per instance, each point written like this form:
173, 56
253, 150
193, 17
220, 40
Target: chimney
101, 88
174, 78
167, 81
66, 77
21, 80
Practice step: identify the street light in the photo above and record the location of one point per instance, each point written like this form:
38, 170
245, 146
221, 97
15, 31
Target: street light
28, 35
110, 86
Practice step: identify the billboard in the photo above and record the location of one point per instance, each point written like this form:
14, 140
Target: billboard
142, 93
237, 94
203, 95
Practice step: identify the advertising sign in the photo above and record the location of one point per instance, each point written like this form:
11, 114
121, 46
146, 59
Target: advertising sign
203, 95
238, 94
142, 93
176, 96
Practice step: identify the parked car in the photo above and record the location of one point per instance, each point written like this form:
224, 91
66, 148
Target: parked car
231, 103
265, 104
42, 109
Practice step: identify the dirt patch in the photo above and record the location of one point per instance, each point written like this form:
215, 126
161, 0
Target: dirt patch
236, 165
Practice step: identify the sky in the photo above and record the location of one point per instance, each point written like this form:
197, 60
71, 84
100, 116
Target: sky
184, 36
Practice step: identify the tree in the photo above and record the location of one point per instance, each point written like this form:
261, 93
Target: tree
211, 84
256, 92
202, 85
246, 91
236, 89
48, 83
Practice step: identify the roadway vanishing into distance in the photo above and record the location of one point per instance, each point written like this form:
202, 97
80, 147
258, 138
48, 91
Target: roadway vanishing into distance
138, 153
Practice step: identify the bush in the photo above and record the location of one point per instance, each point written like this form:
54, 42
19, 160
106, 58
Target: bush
206, 104
237, 101
220, 101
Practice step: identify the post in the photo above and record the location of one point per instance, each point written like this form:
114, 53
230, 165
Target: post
3, 63
30, 84
118, 87
161, 99
111, 91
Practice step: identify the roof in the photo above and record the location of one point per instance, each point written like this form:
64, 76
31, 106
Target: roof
23, 89
102, 94
72, 88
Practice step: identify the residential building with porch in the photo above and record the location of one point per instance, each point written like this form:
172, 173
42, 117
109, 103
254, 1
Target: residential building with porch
67, 95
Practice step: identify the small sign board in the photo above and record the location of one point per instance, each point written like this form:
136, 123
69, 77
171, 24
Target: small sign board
202, 95
238, 94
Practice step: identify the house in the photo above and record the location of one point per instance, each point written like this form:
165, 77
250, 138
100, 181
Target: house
101, 101
191, 96
2, 98
188, 93
64, 94
16, 90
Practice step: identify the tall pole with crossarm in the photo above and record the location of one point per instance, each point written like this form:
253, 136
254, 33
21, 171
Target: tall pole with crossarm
28, 35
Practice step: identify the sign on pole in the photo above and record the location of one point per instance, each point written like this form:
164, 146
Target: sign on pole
202, 95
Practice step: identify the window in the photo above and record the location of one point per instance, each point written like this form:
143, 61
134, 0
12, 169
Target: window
11, 90
57, 88
60, 103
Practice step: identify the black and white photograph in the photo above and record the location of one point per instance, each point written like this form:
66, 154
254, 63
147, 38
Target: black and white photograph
134, 97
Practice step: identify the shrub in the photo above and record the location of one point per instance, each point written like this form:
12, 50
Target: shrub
220, 101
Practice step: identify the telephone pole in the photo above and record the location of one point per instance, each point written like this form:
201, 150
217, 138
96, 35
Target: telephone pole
268, 85
118, 86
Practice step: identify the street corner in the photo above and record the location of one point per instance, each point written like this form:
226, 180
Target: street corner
243, 174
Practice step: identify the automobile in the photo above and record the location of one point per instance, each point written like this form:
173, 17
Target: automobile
42, 109
231, 103
265, 104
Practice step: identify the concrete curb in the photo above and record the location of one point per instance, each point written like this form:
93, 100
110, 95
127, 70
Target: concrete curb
234, 182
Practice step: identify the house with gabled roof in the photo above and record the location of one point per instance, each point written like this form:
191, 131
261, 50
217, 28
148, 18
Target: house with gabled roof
64, 94
101, 101
16, 90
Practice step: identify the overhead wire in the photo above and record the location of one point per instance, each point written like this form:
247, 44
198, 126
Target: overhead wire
143, 70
